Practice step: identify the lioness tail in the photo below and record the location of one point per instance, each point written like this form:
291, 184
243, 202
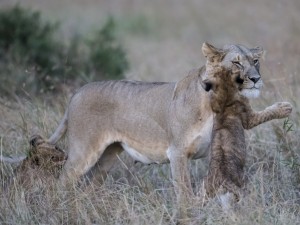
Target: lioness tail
60, 130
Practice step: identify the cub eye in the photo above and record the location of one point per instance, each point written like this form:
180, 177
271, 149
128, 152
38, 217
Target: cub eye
255, 61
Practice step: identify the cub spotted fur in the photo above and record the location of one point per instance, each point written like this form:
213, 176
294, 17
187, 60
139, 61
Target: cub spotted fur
153, 122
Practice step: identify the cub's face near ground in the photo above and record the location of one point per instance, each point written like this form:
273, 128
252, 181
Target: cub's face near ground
237, 58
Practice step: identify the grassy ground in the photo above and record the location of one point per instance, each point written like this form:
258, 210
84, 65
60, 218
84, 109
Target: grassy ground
163, 40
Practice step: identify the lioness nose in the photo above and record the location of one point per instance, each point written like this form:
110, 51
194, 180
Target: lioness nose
254, 79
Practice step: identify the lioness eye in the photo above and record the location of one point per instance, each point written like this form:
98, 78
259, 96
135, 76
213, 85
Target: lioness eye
237, 63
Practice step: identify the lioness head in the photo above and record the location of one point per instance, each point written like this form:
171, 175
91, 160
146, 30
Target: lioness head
237, 58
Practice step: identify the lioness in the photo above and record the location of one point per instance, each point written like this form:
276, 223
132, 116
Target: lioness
154, 122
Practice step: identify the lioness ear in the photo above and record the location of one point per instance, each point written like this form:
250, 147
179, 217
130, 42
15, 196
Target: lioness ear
257, 51
212, 53
207, 85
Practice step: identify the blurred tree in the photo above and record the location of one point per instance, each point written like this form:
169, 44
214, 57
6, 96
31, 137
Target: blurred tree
107, 57
32, 60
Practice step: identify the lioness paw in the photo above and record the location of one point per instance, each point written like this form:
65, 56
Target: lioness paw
282, 109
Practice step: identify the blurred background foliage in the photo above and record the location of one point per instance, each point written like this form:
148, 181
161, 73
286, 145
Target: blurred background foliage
160, 40
34, 58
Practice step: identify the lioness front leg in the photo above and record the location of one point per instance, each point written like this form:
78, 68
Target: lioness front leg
181, 180
278, 110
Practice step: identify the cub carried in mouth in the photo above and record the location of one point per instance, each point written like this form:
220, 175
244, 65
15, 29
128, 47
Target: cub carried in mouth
233, 114
228, 148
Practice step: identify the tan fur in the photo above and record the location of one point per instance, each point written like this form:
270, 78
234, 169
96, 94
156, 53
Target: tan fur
153, 122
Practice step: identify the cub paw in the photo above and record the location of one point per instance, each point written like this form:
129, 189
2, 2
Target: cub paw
282, 109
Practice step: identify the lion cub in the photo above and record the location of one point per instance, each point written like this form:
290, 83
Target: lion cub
228, 149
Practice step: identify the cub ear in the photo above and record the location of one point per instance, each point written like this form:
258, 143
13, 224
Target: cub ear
207, 85
257, 51
212, 53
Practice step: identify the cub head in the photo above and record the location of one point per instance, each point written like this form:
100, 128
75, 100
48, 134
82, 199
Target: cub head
224, 87
240, 60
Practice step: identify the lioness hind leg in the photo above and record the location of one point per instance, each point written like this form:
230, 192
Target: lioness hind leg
80, 160
98, 173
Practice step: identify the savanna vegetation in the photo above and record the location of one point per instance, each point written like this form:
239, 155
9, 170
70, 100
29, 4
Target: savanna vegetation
50, 48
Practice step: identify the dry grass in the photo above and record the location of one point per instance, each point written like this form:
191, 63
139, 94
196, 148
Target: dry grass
163, 40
